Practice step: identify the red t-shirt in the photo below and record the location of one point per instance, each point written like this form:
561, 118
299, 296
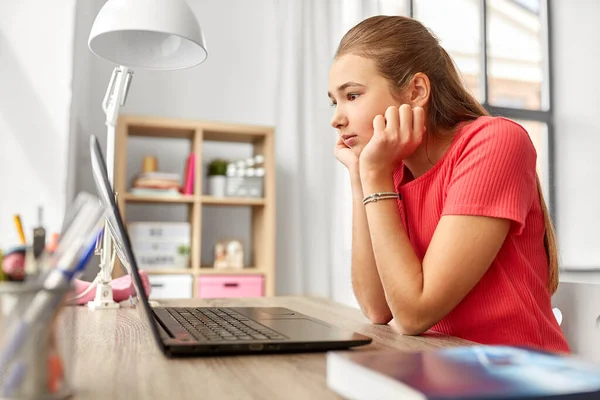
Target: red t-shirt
489, 170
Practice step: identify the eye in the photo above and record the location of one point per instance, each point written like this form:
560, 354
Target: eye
352, 96
333, 104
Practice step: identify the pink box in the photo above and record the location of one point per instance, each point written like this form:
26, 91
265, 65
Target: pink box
214, 286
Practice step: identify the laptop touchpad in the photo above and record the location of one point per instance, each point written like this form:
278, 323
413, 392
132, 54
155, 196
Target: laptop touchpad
299, 328
277, 311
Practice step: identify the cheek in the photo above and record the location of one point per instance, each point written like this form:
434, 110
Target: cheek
363, 125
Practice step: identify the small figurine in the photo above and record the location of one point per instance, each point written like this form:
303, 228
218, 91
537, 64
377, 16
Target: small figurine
220, 256
235, 254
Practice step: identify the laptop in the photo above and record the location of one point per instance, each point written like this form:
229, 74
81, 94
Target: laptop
202, 331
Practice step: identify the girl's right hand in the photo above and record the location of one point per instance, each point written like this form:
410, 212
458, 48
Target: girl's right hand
345, 155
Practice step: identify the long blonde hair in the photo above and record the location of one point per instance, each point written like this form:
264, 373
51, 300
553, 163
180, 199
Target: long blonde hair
402, 47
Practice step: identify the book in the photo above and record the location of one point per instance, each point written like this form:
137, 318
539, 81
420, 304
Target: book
159, 175
190, 167
474, 372
155, 192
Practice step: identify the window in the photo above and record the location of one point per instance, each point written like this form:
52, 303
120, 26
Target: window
501, 50
455, 25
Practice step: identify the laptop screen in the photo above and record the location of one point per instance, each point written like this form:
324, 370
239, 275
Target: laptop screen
118, 232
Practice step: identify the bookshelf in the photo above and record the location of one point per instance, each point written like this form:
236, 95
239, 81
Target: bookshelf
262, 210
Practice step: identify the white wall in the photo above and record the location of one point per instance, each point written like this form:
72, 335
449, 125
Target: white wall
36, 56
576, 62
576, 85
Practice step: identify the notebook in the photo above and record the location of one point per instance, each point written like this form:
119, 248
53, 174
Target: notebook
476, 372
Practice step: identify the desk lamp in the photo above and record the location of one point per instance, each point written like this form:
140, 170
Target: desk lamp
149, 34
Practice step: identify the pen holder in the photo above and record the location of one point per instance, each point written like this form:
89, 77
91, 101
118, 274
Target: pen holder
36, 342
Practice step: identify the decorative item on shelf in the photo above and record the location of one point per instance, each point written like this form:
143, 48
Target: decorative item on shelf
149, 164
235, 254
245, 177
229, 254
182, 260
235, 179
150, 182
217, 172
255, 176
220, 255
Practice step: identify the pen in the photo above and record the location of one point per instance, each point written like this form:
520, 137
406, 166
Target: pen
19, 226
39, 236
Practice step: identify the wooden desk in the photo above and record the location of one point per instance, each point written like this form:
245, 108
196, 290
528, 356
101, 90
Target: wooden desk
133, 367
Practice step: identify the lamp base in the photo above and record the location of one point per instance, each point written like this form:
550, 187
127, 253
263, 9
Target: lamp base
104, 298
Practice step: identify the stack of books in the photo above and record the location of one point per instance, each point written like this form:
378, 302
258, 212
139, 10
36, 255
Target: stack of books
156, 184
150, 182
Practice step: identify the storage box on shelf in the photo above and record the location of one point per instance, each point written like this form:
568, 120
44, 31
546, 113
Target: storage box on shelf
171, 286
219, 286
159, 245
257, 279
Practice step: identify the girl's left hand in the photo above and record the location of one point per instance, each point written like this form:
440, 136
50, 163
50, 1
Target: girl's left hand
395, 138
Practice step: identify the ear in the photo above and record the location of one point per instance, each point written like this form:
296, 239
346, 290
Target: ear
420, 88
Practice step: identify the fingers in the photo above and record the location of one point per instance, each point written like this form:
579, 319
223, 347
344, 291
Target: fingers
392, 119
418, 123
378, 123
406, 120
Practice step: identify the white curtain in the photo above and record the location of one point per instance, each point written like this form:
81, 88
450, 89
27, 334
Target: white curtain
314, 202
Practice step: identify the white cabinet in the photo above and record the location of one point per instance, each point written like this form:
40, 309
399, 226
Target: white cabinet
171, 286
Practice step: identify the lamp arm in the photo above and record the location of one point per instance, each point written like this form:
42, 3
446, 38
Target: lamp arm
114, 99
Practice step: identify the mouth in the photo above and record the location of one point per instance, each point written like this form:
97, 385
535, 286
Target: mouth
349, 140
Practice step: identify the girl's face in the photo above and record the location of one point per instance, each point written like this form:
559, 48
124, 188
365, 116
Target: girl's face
359, 93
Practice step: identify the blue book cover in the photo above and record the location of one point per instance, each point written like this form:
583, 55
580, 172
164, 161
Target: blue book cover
474, 372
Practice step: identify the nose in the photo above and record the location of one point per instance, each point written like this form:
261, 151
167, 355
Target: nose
339, 120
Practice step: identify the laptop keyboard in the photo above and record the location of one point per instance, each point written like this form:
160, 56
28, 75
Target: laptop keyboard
218, 324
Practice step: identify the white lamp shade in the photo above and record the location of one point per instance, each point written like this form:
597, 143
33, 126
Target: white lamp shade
151, 34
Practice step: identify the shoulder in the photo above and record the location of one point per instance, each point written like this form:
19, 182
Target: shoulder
496, 136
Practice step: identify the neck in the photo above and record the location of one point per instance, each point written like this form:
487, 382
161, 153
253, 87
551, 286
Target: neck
430, 151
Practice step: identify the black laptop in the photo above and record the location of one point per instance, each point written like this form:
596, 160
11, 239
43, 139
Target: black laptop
188, 331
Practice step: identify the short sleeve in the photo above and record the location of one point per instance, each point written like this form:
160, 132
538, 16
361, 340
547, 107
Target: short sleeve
494, 175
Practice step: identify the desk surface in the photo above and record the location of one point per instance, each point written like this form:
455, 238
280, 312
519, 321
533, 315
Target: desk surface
134, 368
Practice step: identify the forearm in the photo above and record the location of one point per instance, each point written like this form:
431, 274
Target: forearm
365, 278
398, 266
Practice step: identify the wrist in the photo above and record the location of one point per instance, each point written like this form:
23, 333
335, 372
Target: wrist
356, 185
368, 176
376, 182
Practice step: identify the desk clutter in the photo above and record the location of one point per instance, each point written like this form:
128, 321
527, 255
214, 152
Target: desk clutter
32, 364
471, 372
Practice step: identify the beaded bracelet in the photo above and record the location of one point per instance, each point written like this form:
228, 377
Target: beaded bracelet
381, 196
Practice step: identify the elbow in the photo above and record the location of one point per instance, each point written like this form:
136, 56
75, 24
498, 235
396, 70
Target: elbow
411, 330
411, 326
379, 317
